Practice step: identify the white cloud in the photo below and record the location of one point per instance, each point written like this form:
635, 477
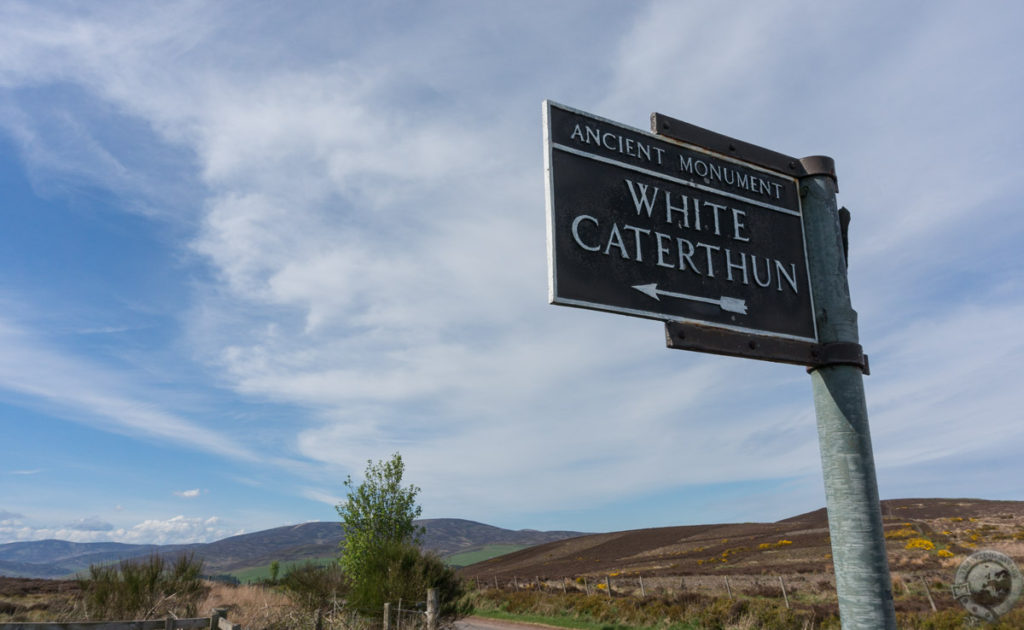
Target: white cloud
175, 530
187, 494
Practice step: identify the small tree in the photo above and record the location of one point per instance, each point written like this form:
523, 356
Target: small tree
379, 513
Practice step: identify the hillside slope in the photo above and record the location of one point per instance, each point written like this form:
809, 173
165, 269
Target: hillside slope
799, 544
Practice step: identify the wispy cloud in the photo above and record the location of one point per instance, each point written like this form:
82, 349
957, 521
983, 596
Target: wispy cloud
366, 211
90, 524
6, 516
83, 391
187, 494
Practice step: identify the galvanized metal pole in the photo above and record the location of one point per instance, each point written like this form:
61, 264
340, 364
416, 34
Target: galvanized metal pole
863, 583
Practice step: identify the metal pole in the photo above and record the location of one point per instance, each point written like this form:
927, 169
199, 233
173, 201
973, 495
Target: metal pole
863, 583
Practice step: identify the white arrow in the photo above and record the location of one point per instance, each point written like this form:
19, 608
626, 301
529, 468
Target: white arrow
733, 305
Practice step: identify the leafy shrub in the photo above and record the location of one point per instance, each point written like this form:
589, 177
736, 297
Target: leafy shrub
145, 589
401, 571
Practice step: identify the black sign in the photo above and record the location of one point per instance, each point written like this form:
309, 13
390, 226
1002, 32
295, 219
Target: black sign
646, 225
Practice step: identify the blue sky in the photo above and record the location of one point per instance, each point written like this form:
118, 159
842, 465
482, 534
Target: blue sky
245, 247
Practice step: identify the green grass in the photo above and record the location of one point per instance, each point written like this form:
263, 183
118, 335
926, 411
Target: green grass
572, 622
466, 558
255, 574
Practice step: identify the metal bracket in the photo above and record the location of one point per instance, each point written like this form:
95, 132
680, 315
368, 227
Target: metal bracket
844, 230
712, 340
840, 353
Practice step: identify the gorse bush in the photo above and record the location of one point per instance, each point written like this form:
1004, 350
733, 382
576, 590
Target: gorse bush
145, 589
399, 571
316, 587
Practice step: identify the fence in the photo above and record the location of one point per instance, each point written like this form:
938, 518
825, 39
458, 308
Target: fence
912, 586
616, 585
419, 616
217, 621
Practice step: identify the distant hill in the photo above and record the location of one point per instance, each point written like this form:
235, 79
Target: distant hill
799, 544
308, 541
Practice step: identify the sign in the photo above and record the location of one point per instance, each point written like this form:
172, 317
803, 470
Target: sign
988, 584
651, 226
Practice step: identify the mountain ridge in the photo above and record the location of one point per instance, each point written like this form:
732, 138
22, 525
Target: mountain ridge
53, 558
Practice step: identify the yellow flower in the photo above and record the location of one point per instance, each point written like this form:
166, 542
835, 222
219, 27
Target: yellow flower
904, 532
921, 543
945, 553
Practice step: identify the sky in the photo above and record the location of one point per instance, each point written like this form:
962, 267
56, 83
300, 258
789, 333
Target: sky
246, 247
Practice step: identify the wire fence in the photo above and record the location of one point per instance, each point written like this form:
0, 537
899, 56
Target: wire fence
785, 587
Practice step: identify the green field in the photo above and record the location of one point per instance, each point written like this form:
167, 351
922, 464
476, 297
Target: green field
255, 574
466, 558
462, 559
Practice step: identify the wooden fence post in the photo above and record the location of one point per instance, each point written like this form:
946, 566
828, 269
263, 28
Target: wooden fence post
586, 585
563, 586
784, 596
643, 593
539, 587
608, 585
496, 582
728, 589
432, 609
216, 616
515, 580
387, 616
